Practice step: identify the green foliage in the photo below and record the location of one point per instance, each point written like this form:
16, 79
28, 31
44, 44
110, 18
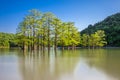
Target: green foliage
84, 40
96, 39
6, 40
44, 29
111, 26
69, 35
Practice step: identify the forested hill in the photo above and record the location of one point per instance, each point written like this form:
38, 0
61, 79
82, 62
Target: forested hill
111, 26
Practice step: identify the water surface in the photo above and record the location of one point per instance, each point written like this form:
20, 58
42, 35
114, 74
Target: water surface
83, 64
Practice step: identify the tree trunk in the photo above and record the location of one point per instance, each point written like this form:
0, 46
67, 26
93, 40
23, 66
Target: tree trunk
62, 47
25, 47
73, 47
48, 25
43, 44
68, 47
55, 47
35, 46
93, 47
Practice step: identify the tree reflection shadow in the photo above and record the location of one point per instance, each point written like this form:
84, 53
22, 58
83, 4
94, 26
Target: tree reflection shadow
36, 65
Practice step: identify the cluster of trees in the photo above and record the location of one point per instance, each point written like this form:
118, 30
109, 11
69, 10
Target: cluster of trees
111, 26
39, 30
6, 40
96, 39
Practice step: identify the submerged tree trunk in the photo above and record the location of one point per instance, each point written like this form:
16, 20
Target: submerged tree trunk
48, 36
43, 41
62, 47
73, 47
48, 41
55, 47
25, 47
68, 47
34, 39
35, 46
93, 47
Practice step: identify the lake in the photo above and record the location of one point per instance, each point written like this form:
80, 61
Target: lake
82, 64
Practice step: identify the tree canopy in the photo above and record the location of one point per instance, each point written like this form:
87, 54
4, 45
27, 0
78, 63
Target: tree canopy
40, 30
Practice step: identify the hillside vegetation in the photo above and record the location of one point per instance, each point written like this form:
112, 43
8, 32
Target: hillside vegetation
7, 40
111, 26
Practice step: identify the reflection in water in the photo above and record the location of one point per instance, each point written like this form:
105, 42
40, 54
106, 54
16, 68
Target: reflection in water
98, 64
106, 61
44, 67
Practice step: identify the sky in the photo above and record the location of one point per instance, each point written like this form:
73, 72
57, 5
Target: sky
81, 12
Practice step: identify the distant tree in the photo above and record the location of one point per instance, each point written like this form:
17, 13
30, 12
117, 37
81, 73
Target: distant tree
29, 28
4, 41
21, 38
62, 36
48, 17
7, 40
97, 39
69, 35
101, 40
85, 40
56, 31
75, 37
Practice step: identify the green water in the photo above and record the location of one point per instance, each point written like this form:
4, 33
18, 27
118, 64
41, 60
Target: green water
83, 64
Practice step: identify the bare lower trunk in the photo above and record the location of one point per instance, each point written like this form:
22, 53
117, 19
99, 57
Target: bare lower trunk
25, 47
55, 47
35, 46
62, 47
73, 47
43, 47
93, 47
68, 47
48, 35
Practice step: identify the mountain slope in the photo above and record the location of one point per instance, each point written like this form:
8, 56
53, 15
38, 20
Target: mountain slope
111, 26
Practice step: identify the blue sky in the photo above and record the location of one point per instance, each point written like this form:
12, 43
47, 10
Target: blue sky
82, 12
